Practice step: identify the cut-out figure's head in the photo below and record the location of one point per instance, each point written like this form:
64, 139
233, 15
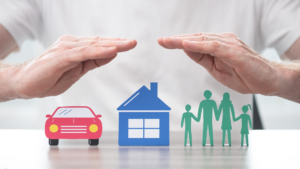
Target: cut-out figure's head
226, 96
245, 108
207, 94
188, 107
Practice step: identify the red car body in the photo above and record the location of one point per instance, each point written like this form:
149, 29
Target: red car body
73, 122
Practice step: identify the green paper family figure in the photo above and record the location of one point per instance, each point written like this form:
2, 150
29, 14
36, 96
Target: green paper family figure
209, 106
245, 121
227, 107
187, 118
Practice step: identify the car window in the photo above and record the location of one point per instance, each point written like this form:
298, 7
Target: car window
73, 112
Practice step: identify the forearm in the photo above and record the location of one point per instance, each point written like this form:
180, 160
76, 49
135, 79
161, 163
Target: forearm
289, 74
288, 81
8, 82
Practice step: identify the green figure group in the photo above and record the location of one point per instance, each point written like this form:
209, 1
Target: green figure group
209, 106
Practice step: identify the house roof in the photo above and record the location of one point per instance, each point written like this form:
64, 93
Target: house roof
144, 99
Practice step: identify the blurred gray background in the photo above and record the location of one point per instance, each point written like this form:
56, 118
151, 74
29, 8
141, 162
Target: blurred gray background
275, 112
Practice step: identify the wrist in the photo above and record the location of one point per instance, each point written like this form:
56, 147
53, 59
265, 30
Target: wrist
9, 83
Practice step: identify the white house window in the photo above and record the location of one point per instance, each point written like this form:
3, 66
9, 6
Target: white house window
143, 128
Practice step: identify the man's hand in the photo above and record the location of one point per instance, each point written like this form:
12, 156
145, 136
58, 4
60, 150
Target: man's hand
60, 66
229, 61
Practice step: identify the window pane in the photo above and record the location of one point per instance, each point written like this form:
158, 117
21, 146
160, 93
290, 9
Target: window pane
151, 123
135, 123
135, 133
151, 133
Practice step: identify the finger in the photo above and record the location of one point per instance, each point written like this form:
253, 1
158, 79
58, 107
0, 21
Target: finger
203, 59
92, 64
194, 34
223, 51
219, 35
133, 41
120, 45
72, 57
161, 43
72, 38
176, 42
91, 38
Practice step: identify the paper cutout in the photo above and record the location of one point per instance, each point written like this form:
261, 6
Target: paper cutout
187, 119
208, 106
227, 107
73, 122
144, 119
245, 120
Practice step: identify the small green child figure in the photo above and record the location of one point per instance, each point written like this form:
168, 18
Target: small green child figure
245, 119
187, 116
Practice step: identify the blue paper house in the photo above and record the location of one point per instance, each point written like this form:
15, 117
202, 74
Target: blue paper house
144, 119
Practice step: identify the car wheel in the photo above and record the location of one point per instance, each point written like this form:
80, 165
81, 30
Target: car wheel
53, 142
93, 142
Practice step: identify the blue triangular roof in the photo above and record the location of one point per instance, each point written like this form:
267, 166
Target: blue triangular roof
144, 99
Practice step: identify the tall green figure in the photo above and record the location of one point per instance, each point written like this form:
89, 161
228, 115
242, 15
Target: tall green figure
187, 117
227, 107
208, 106
245, 120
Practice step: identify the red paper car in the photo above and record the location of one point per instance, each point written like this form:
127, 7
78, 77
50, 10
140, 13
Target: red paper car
73, 122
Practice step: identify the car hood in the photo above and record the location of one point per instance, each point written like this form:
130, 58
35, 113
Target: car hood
74, 121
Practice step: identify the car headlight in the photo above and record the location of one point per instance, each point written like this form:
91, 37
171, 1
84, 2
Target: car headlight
53, 128
93, 128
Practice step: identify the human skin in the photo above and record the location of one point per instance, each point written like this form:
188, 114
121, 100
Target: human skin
57, 68
231, 62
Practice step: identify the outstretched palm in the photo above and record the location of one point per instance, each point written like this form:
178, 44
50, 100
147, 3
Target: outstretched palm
228, 60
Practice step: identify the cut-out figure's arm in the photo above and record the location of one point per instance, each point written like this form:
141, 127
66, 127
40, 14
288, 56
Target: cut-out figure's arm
219, 112
215, 110
250, 123
199, 112
194, 117
237, 118
232, 112
182, 120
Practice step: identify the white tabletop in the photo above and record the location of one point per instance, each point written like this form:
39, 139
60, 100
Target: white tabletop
267, 149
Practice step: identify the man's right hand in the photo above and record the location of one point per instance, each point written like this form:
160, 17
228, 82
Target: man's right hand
60, 66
